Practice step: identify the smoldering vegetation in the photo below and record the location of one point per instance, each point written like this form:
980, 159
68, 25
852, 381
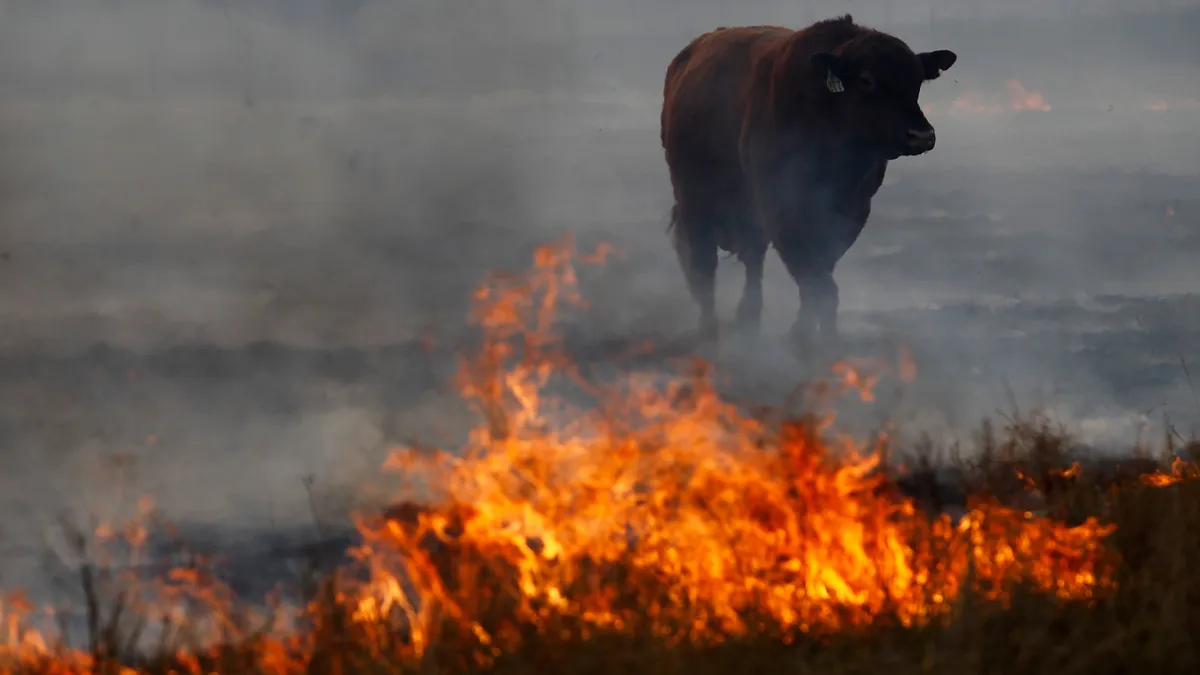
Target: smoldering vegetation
238, 240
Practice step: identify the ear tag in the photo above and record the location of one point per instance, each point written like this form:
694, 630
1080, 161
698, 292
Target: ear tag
834, 83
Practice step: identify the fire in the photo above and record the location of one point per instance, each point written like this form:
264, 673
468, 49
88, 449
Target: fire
715, 522
1016, 98
971, 103
651, 505
1163, 105
1180, 472
1020, 98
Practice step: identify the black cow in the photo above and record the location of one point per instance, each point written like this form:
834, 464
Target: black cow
776, 137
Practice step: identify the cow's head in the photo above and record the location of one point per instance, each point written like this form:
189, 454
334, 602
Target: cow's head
874, 82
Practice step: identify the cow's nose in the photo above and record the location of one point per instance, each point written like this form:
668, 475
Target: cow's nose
921, 139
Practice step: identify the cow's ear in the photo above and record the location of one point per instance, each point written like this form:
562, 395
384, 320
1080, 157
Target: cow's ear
837, 70
937, 62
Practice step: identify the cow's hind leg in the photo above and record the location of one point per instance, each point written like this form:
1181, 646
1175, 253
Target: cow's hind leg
694, 239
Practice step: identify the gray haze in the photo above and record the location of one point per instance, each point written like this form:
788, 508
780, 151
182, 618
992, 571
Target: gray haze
226, 227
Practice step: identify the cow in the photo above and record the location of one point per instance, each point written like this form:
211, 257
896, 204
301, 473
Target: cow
780, 138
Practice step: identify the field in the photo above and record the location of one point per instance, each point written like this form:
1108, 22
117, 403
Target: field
237, 307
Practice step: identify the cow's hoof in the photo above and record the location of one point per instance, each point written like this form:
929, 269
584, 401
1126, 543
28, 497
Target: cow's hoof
748, 327
803, 348
831, 349
704, 340
746, 342
747, 333
749, 320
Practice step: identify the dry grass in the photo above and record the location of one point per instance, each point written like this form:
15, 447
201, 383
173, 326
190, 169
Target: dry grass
671, 533
1145, 623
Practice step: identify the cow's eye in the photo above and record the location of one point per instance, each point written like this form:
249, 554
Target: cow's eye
866, 81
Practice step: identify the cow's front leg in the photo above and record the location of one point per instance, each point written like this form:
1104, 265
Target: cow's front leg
810, 250
816, 319
823, 297
803, 333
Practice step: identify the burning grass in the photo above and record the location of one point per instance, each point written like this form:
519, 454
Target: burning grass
652, 526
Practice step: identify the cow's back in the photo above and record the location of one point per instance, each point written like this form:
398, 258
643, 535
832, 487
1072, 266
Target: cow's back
704, 93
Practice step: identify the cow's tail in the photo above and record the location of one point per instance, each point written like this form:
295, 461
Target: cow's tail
673, 225
673, 220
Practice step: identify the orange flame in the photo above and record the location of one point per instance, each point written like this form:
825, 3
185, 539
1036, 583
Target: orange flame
1020, 98
1016, 98
717, 523
651, 504
1181, 471
1163, 105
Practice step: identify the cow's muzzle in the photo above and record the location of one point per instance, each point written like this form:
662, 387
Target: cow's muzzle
920, 141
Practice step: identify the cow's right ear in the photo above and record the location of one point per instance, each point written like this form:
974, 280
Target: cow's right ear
937, 62
837, 70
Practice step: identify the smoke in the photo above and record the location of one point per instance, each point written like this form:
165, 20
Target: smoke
216, 136
227, 228
1025, 256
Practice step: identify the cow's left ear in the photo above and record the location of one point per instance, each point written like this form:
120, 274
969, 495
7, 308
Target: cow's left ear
937, 62
838, 65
